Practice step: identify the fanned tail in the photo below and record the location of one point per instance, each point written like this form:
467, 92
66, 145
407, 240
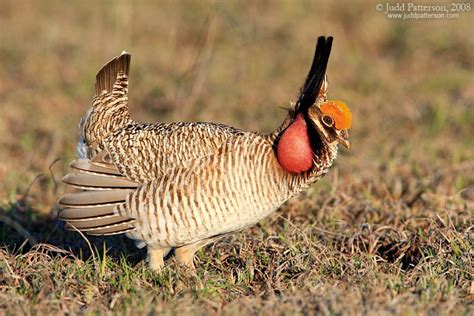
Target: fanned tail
113, 76
109, 109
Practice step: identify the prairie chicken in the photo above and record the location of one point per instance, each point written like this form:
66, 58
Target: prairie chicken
183, 185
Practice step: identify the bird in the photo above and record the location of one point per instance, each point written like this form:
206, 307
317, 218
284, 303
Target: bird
182, 185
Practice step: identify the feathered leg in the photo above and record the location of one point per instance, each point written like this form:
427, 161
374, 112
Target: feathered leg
155, 258
185, 254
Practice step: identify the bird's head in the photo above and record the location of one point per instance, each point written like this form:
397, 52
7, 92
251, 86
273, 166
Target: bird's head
317, 123
331, 119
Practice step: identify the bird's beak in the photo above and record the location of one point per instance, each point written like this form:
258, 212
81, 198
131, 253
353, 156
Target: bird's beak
343, 139
346, 143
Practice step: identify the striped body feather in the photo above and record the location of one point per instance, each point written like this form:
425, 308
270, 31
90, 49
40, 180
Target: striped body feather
237, 186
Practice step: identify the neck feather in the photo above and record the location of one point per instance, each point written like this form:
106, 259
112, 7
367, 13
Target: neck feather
322, 154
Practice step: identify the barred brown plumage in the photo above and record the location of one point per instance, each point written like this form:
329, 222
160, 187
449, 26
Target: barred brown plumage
182, 185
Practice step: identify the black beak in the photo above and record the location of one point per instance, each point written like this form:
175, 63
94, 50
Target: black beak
310, 90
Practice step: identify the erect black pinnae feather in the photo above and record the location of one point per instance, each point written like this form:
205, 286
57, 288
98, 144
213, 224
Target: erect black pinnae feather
310, 90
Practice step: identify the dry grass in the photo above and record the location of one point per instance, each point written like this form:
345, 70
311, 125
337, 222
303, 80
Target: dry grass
389, 230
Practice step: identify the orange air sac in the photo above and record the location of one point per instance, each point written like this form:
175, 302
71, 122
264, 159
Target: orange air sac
294, 151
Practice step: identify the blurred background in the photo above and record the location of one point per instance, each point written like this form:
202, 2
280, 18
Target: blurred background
409, 83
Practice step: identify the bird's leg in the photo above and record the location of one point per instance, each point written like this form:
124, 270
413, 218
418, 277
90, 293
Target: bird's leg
185, 254
155, 258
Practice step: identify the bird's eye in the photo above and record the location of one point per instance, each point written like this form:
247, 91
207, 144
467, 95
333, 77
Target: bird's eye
328, 121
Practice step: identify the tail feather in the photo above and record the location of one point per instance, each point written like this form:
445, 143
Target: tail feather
110, 72
109, 109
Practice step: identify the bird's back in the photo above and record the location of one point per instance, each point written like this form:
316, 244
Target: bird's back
144, 152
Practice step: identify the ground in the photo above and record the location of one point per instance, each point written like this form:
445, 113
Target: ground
388, 230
